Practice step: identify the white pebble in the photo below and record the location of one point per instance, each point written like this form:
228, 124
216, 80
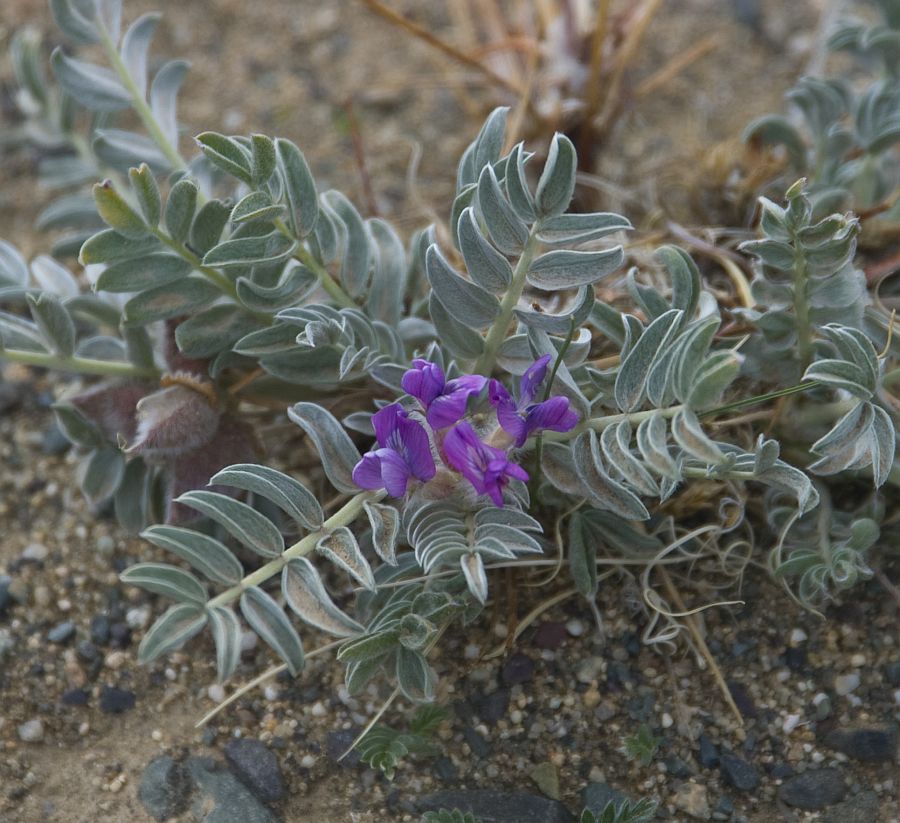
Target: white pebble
36, 552
666, 720
472, 651
32, 731
307, 761
897, 697
790, 723
858, 660
846, 683
138, 617
271, 692
797, 637
216, 692
248, 641
318, 709
575, 628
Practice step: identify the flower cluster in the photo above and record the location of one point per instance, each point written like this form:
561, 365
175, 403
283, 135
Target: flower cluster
408, 450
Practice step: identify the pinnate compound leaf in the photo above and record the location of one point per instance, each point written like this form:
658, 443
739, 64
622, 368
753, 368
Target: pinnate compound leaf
289, 495
603, 492
169, 581
207, 555
94, 87
689, 434
171, 631
242, 522
465, 301
632, 377
341, 548
268, 620
305, 593
336, 450
227, 633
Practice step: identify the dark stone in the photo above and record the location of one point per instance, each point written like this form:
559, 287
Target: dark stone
738, 773
814, 789
724, 808
861, 808
596, 797
892, 672
708, 755
517, 670
550, 635
477, 743
120, 635
493, 707
871, 745
499, 807
676, 767
6, 599
337, 742
87, 651
742, 699
257, 767
100, 629
62, 632
116, 701
445, 770
781, 770
632, 644
54, 441
11, 395
165, 788
74, 697
795, 658
220, 797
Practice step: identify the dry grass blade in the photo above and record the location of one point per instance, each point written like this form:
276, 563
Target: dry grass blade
677, 65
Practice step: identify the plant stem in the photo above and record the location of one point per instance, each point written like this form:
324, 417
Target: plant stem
139, 104
78, 365
497, 333
342, 517
216, 277
801, 308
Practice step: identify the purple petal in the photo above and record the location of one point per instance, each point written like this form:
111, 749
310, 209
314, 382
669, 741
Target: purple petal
394, 472
425, 381
367, 473
553, 415
533, 378
416, 449
450, 406
385, 422
507, 413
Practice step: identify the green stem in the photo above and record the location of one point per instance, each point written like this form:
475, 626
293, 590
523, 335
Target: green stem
762, 398
216, 277
342, 517
139, 104
78, 365
497, 333
801, 308
304, 256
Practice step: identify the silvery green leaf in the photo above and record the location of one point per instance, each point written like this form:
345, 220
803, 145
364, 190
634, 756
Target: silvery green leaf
608, 321
359, 673
328, 235
582, 551
648, 299
180, 207
557, 183
296, 283
474, 572
100, 474
603, 492
305, 593
135, 45
116, 213
351, 360
69, 211
792, 480
558, 467
385, 523
360, 422
862, 437
69, 244
13, 268
632, 377
415, 679
306, 368
575, 229
227, 154
689, 352
299, 188
686, 284
765, 454
130, 501
71, 18
518, 191
173, 629
290, 496
54, 322
226, 632
486, 266
564, 269
213, 330
774, 129
248, 251
245, 524
615, 441
266, 618
335, 448
842, 375
357, 256
138, 345
77, 428
489, 142
257, 205
560, 323
18, 333
772, 253
102, 347
713, 376
123, 149
459, 339
94, 87
169, 581
689, 434
205, 554
140, 273
185, 296
164, 97
461, 202
208, 225
27, 62
262, 158
652, 442
388, 285
341, 548
371, 646
53, 277
108, 246
507, 231
465, 301
541, 344
146, 192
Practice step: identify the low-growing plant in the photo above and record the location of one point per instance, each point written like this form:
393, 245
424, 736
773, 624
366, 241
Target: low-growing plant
466, 402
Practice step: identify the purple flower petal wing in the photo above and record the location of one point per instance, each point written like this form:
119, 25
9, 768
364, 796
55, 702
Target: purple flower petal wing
367, 473
532, 379
425, 381
451, 405
461, 446
394, 472
385, 422
416, 449
554, 414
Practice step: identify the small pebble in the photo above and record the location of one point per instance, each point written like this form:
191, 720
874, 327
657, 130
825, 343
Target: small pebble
32, 731
35, 552
844, 684
216, 692
138, 617
575, 628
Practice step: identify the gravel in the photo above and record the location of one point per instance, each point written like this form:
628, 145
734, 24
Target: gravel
31, 731
870, 744
257, 767
814, 789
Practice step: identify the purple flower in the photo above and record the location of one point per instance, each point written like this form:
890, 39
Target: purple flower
488, 469
523, 418
444, 400
405, 452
